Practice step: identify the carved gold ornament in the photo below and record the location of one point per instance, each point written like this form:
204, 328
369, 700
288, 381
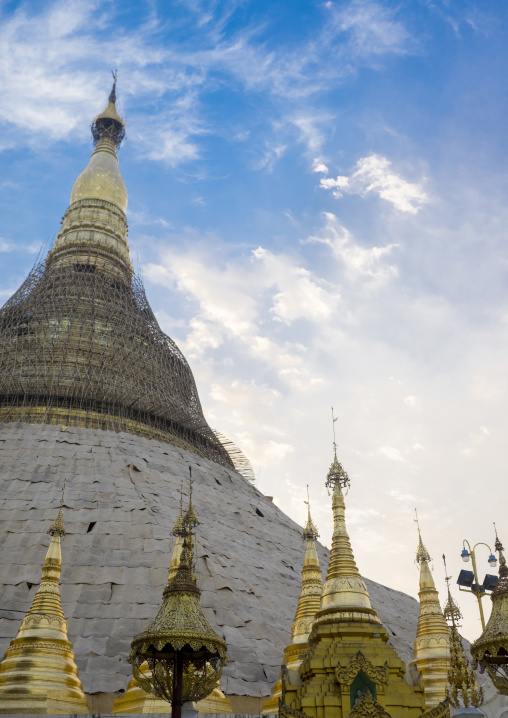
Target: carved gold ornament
345, 676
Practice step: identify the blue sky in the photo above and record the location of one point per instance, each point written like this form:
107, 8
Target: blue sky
317, 199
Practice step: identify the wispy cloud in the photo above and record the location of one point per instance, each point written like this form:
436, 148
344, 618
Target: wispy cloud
360, 261
6, 246
372, 28
374, 174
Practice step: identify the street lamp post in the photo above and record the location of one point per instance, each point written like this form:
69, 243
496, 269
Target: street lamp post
468, 580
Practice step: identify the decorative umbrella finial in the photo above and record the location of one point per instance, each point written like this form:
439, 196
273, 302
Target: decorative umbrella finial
421, 554
310, 531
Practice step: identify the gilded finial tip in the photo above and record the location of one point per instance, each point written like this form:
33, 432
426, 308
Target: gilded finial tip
58, 525
421, 554
310, 531
336, 474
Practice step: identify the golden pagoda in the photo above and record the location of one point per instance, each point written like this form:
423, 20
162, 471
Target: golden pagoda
349, 656
38, 673
308, 605
462, 691
490, 651
431, 648
79, 343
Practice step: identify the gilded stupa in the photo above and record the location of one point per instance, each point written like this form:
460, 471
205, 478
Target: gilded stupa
79, 344
432, 642
93, 392
38, 673
308, 605
349, 669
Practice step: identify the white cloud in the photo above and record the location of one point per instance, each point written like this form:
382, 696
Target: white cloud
243, 393
300, 296
372, 28
230, 303
320, 167
413, 402
391, 453
374, 174
271, 155
6, 246
359, 260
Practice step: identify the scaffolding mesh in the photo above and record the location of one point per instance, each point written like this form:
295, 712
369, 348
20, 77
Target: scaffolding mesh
80, 345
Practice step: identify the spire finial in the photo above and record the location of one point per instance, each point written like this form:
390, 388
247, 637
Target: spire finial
334, 419
310, 531
179, 528
451, 611
191, 518
112, 94
58, 525
109, 124
421, 554
336, 477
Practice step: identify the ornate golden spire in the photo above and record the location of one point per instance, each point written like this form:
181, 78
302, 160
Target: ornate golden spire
180, 531
138, 697
431, 648
109, 125
39, 673
308, 605
95, 221
490, 651
180, 627
462, 689
344, 593
101, 178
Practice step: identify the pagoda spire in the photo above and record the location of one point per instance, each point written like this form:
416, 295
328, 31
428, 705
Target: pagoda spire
462, 689
95, 221
38, 673
348, 654
431, 648
344, 592
308, 605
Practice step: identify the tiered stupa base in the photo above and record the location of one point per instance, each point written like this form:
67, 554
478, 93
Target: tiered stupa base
345, 659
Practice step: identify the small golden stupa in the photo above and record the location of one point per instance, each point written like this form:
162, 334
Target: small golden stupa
431, 648
38, 673
308, 605
349, 656
490, 651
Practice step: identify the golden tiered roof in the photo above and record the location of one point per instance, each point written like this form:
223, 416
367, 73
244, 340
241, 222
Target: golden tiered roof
38, 673
79, 343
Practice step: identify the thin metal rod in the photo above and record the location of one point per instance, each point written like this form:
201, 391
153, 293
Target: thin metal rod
176, 704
